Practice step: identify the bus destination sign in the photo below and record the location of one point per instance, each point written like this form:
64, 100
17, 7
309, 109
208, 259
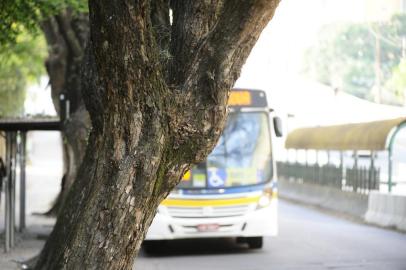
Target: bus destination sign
247, 98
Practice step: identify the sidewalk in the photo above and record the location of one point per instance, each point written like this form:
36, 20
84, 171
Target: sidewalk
28, 243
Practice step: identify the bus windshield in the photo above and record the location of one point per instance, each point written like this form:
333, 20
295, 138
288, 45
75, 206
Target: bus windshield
242, 156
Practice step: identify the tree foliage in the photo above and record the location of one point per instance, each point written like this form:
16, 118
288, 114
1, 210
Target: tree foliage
22, 47
397, 82
346, 56
18, 16
21, 62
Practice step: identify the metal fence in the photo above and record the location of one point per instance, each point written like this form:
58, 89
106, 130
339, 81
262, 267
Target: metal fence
360, 179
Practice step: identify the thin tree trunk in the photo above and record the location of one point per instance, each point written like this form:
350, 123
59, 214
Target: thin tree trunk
66, 35
152, 118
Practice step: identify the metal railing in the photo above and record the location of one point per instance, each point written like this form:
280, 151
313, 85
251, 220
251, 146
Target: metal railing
360, 179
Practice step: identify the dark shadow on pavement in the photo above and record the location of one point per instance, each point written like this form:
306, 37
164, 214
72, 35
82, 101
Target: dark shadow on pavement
186, 247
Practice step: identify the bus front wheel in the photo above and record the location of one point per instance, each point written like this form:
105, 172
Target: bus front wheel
255, 242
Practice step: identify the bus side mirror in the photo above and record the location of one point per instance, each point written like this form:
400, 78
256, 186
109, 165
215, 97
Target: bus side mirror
277, 124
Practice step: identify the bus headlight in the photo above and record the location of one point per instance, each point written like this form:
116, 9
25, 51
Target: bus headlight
265, 199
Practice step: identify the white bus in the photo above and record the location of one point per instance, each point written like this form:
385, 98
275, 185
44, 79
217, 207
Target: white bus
233, 193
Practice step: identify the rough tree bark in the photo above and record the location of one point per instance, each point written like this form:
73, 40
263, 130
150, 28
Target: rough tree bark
157, 94
67, 34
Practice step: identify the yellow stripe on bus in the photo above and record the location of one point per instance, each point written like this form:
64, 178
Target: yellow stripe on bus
220, 202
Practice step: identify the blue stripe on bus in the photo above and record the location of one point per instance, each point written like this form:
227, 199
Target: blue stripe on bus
221, 191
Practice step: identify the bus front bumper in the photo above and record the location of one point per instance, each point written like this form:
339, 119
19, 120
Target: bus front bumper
261, 222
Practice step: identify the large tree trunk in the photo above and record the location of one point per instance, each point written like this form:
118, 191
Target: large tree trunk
157, 106
66, 35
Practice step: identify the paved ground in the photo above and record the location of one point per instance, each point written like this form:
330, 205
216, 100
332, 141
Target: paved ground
28, 244
308, 239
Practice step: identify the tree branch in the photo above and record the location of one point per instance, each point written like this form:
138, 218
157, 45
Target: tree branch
162, 31
56, 62
160, 23
227, 46
80, 26
212, 70
192, 21
64, 20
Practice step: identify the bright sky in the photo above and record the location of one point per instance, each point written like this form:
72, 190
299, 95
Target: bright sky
278, 53
275, 64
38, 100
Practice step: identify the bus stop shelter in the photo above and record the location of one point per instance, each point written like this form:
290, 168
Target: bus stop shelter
14, 132
368, 136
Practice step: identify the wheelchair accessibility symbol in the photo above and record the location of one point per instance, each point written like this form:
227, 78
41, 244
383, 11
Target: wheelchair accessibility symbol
216, 177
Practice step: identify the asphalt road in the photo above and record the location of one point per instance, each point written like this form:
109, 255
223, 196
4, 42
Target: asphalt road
308, 239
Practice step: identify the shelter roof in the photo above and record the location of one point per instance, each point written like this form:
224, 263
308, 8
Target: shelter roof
359, 136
